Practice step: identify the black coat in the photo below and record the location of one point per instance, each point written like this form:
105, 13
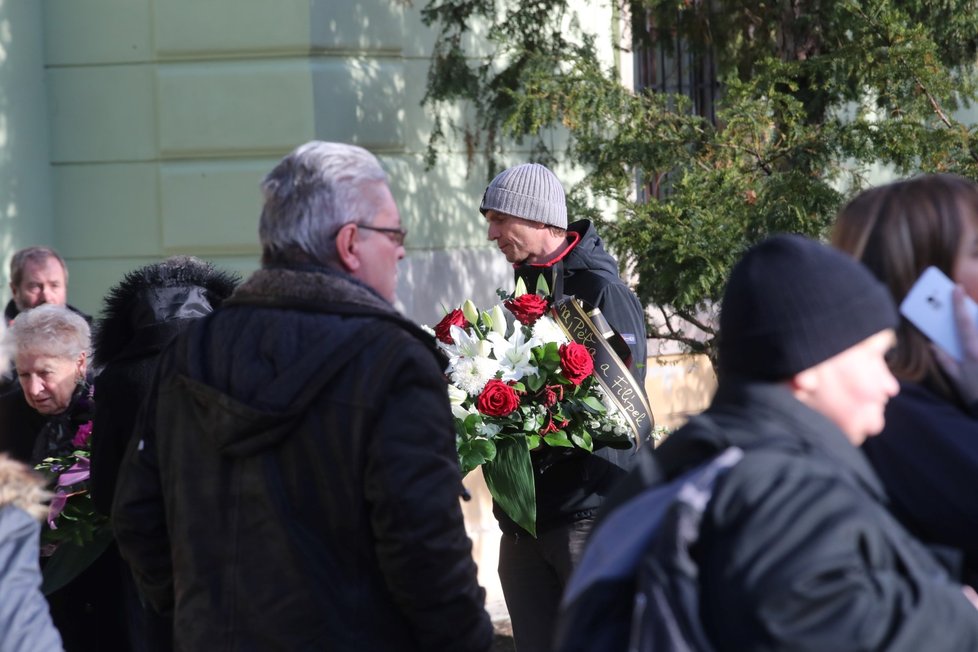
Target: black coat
927, 458
140, 316
296, 485
19, 425
798, 549
570, 483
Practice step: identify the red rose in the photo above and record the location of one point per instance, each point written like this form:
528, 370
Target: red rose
497, 399
444, 327
527, 308
575, 362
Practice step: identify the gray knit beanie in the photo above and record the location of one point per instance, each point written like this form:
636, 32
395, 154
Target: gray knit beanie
530, 191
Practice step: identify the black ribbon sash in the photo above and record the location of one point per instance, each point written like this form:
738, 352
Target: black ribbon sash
612, 374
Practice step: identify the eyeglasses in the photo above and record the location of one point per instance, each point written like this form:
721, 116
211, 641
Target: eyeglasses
397, 236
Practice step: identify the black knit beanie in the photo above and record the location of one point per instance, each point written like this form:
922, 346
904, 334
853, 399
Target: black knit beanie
792, 303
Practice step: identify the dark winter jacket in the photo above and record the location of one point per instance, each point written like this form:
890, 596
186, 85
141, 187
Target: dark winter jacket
590, 273
798, 550
139, 318
25, 623
19, 425
295, 485
570, 484
11, 311
927, 458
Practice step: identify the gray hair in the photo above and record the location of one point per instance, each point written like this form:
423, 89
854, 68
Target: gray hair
309, 195
36, 255
54, 331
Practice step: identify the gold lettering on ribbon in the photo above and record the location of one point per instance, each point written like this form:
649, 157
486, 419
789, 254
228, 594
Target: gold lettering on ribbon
609, 370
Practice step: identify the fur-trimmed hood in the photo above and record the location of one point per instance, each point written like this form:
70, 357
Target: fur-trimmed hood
178, 288
21, 486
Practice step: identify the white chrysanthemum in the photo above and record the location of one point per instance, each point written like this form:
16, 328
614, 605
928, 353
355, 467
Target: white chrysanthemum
472, 374
515, 354
546, 330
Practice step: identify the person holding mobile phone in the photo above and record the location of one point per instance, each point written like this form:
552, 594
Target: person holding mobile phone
927, 454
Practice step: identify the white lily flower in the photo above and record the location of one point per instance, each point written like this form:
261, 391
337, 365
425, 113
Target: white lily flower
514, 354
456, 396
470, 346
498, 319
470, 311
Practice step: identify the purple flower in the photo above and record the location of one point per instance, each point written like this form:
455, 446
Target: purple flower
84, 434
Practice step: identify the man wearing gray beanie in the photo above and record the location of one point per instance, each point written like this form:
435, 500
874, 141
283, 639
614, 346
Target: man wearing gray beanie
526, 213
796, 548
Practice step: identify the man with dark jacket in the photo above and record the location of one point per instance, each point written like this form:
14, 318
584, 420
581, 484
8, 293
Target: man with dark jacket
294, 485
797, 549
526, 212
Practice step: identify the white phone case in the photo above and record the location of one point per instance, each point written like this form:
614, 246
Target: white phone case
930, 308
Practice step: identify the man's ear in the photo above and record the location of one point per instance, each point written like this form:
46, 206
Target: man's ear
13, 290
804, 382
348, 247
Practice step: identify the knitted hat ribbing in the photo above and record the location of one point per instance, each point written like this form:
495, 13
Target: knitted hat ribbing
530, 191
792, 303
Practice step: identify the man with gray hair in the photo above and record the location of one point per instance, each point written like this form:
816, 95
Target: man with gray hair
526, 214
38, 275
294, 483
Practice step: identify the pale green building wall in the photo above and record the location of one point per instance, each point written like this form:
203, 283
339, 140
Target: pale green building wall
155, 120
26, 209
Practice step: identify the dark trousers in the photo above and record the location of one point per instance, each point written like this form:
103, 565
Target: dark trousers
533, 574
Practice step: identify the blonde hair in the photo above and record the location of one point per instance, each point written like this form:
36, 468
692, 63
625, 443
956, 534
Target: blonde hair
897, 231
21, 486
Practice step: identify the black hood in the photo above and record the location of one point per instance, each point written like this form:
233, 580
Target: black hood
253, 367
137, 313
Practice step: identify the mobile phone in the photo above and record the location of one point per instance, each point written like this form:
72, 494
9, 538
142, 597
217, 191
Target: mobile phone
930, 308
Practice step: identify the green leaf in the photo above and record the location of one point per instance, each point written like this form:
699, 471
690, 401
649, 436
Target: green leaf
558, 438
71, 558
583, 440
594, 404
510, 481
474, 453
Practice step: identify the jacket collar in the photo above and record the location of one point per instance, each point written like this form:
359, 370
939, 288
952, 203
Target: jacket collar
745, 413
310, 286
